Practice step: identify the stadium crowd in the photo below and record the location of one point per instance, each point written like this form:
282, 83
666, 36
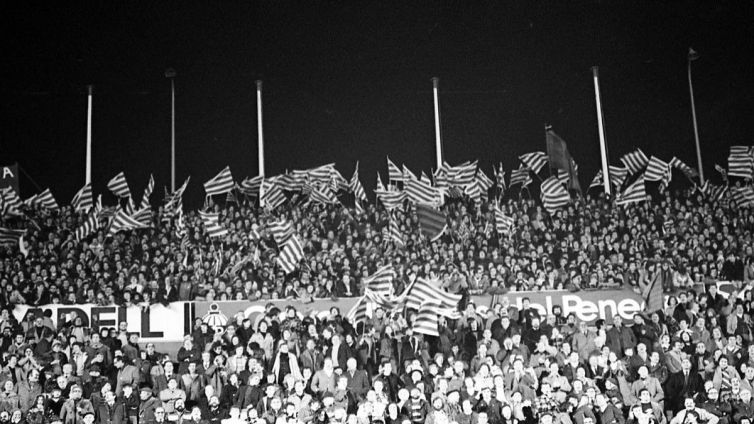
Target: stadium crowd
691, 362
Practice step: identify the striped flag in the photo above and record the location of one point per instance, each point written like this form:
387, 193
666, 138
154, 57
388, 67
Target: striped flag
250, 186
657, 169
483, 181
45, 200
119, 186
356, 188
503, 222
381, 282
554, 195
212, 225
534, 161
147, 193
423, 289
282, 231
474, 192
441, 176
84, 199
271, 196
88, 227
427, 318
597, 181
742, 196
323, 195
634, 161
144, 216
220, 183
635, 192
432, 222
462, 175
291, 255
11, 202
562, 177
394, 173
123, 222
740, 162
690, 172
421, 192
360, 312
231, 197
618, 175
10, 236
520, 176
322, 174
174, 201
180, 226
337, 181
408, 175
717, 192
391, 199
395, 232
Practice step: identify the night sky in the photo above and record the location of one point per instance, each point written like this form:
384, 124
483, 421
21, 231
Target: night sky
351, 80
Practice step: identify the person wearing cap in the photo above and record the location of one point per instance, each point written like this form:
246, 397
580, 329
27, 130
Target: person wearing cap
148, 404
75, 407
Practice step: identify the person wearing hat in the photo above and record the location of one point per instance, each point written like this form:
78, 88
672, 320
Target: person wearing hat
148, 404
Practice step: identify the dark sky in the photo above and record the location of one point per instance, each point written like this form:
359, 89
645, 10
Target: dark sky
350, 80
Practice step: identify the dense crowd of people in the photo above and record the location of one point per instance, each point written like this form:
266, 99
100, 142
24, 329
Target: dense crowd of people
692, 361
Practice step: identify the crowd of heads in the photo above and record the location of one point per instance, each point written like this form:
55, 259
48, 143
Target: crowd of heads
693, 361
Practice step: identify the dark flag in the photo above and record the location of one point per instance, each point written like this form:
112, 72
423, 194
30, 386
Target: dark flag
432, 222
560, 159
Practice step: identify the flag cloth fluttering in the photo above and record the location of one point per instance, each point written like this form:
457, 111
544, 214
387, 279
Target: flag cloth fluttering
503, 223
84, 199
618, 175
119, 186
432, 222
220, 183
422, 289
634, 193
597, 181
554, 195
212, 225
634, 161
740, 162
394, 173
534, 161
560, 159
291, 255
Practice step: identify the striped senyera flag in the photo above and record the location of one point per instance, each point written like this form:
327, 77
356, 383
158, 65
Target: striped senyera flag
355, 185
534, 161
220, 183
212, 225
321, 174
408, 175
88, 227
717, 192
503, 222
462, 175
432, 222
10, 236
690, 172
323, 195
634, 193
422, 289
84, 199
337, 181
394, 173
634, 161
379, 185
250, 186
618, 175
519, 176
290, 255
740, 162
147, 193
391, 199
427, 319
45, 200
554, 195
483, 181
360, 311
11, 202
657, 169
395, 232
281, 231
474, 192
144, 216
123, 222
421, 192
271, 196
742, 196
381, 282
119, 186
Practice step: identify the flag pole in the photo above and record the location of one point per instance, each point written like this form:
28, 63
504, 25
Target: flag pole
692, 56
601, 127
88, 174
438, 136
170, 74
260, 132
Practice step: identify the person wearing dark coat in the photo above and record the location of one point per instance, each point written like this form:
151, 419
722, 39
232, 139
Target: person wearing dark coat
110, 411
681, 385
